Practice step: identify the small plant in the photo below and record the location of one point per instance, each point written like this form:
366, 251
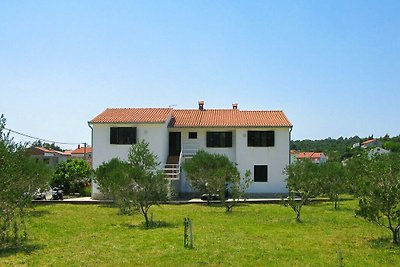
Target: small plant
340, 257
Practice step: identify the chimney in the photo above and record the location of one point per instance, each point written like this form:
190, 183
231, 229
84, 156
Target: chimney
201, 105
235, 105
79, 146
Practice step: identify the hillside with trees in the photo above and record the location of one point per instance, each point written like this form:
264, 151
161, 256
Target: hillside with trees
341, 148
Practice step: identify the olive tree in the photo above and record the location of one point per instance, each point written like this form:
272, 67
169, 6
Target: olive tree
136, 184
20, 176
378, 190
302, 183
216, 175
237, 188
333, 181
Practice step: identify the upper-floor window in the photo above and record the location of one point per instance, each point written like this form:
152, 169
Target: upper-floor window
219, 139
123, 135
192, 135
260, 138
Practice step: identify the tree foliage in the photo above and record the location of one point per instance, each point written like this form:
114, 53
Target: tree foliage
73, 175
135, 185
20, 176
237, 188
215, 174
303, 183
341, 148
333, 181
378, 189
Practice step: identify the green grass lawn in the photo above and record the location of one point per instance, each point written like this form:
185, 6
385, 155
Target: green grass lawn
252, 235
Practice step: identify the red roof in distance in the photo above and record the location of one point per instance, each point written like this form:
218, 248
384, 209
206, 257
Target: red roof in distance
81, 150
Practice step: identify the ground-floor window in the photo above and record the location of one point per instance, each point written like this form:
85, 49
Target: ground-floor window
260, 173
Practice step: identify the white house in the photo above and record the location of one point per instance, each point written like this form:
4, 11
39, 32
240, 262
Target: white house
377, 151
49, 156
316, 157
371, 143
255, 140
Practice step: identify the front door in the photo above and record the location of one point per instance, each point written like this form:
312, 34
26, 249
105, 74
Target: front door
174, 143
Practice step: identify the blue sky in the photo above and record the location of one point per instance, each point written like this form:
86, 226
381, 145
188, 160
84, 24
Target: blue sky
332, 66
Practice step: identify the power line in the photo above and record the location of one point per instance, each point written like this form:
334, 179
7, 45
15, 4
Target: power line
41, 139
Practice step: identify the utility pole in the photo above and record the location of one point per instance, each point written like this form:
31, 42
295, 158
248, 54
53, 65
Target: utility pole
84, 151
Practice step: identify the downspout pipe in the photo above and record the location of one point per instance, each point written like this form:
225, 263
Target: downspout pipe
290, 139
91, 144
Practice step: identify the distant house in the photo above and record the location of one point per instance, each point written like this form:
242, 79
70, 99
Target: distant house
316, 157
377, 151
371, 143
82, 153
48, 156
293, 155
356, 145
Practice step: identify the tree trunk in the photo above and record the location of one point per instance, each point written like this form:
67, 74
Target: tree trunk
396, 233
298, 216
144, 212
146, 219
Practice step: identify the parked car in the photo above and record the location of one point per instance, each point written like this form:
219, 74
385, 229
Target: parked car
57, 193
43, 194
48, 193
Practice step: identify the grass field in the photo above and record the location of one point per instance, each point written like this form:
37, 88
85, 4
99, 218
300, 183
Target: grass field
252, 235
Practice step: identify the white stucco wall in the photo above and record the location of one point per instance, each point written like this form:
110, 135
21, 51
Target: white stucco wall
276, 157
155, 134
201, 141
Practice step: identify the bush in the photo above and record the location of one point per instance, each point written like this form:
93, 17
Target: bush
20, 176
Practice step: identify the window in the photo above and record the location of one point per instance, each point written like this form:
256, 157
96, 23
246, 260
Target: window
260, 138
219, 139
122, 135
192, 135
260, 173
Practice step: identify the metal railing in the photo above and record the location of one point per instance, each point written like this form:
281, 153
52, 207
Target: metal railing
189, 150
173, 171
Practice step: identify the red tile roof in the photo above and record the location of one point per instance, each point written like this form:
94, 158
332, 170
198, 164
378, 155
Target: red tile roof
310, 155
45, 150
133, 115
368, 141
195, 117
81, 150
228, 118
68, 152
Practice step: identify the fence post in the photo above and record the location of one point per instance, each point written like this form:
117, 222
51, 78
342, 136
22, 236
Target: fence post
185, 235
191, 233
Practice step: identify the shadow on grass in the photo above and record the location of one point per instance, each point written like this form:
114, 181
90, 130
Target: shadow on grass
38, 213
153, 225
384, 242
107, 205
8, 250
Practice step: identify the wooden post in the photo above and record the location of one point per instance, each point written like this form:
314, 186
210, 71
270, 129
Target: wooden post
185, 235
191, 233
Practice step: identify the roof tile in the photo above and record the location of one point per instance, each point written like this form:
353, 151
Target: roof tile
229, 118
132, 115
195, 118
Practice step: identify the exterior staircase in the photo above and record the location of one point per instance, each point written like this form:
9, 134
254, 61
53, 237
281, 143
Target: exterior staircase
172, 168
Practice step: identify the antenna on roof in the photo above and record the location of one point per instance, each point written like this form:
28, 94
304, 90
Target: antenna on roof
173, 105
